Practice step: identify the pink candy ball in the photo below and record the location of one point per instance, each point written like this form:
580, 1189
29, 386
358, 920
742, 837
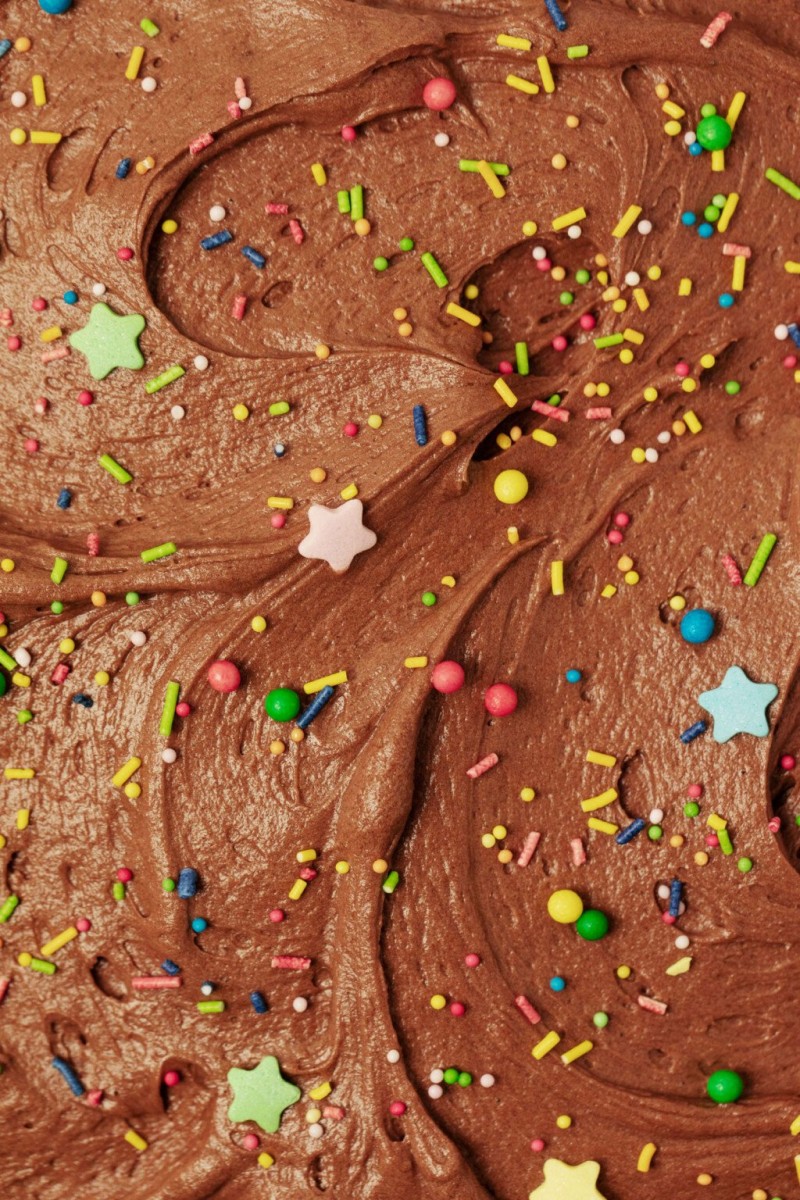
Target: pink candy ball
14, 342
543, 264
614, 537
457, 1008
350, 429
38, 304
472, 960
124, 874
224, 676
790, 362
447, 677
278, 520
668, 919
83, 924
85, 398
397, 1108
505, 367
183, 709
277, 915
348, 133
250, 1141
500, 700
439, 93
41, 405
788, 762
172, 1078
30, 445
587, 321
559, 342
694, 791
712, 840
682, 369
537, 1145
125, 254
622, 520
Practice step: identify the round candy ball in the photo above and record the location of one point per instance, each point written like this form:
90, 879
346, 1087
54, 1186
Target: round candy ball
439, 93
171, 1078
282, 704
697, 626
592, 925
510, 487
500, 700
224, 676
565, 906
725, 1087
55, 7
447, 677
714, 133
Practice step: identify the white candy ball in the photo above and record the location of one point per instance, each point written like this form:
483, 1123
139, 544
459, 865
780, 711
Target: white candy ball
200, 362
574, 232
644, 227
149, 84
633, 278
177, 412
435, 1091
169, 755
299, 1004
539, 252
617, 437
690, 137
442, 139
487, 1080
393, 1056
217, 212
98, 289
206, 988
682, 941
781, 332
664, 437
245, 103
436, 1075
656, 817
663, 891
651, 455
19, 99
138, 637
23, 656
316, 1130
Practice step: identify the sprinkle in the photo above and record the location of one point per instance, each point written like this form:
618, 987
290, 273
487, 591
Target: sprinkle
60, 940
720, 22
463, 314
732, 569
125, 772
691, 421
736, 106
23, 818
316, 685
291, 962
390, 882
315, 707
156, 552
296, 230
70, 1075
630, 832
781, 181
420, 426
598, 414
511, 43
792, 268
717, 160
64, 498
5, 46
529, 848
607, 827
610, 339
600, 801
356, 202
673, 110
578, 852
693, 732
557, 16
253, 256
471, 165
626, 221
156, 983
265, 1160
349, 493
577, 51
149, 27
599, 759
548, 1043
434, 270
39, 93
521, 355
164, 379
136, 1140
567, 219
213, 240
642, 301
284, 503
544, 437
577, 1052
200, 143
548, 83
321, 1092
170, 967
168, 710
728, 209
505, 392
557, 577
653, 1006
59, 569
526, 1008
113, 467
7, 908
685, 287
485, 764
732, 249
134, 62
739, 265
416, 663
211, 1006
794, 1128
681, 967
318, 172
725, 843
37, 964
19, 772
608, 591
646, 1157
258, 1002
549, 411
522, 85
765, 548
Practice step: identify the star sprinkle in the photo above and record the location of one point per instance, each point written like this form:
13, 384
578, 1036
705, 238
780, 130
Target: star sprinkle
337, 535
109, 341
563, 1182
738, 705
261, 1095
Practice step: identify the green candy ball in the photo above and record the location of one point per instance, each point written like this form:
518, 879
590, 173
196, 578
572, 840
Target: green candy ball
725, 1087
429, 599
592, 925
719, 200
655, 833
691, 809
168, 885
132, 598
380, 263
582, 276
464, 1079
745, 865
566, 298
406, 243
600, 1020
711, 212
56, 607
733, 387
282, 704
451, 1075
708, 110
714, 133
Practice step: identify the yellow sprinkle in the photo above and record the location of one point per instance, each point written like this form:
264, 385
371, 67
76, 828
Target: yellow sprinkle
318, 171
739, 267
132, 1137
640, 296
548, 1043
793, 268
681, 966
544, 437
319, 1093
646, 1157
672, 128
505, 392
728, 210
626, 221
416, 663
522, 85
56, 943
39, 93
134, 62
126, 771
504, 441
349, 493
600, 801
265, 1160
513, 43
304, 856
797, 1165
19, 772
44, 137
463, 314
673, 110
512, 533
599, 759
717, 160
692, 423
685, 287
734, 112
569, 218
21, 680
577, 1052
23, 818
316, 685
548, 83
282, 502
716, 822
557, 577
633, 335
297, 889
794, 1128
449, 581
51, 335
490, 179
602, 826
608, 591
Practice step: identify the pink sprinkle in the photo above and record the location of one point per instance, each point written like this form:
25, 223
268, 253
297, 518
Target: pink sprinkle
7, 317
41, 405
653, 1006
60, 673
550, 410
483, 766
277, 210
529, 849
251, 1141
682, 369
277, 915
14, 343
57, 352
38, 304
333, 1112
94, 1097
239, 306
297, 232
124, 874
239, 88
537, 1145
732, 569
200, 143
505, 367
156, 983
83, 924
774, 824
720, 22
473, 960
124, 254
172, 1078
93, 544
350, 429
234, 110
183, 709
578, 852
85, 398
307, 873
526, 1008
348, 133
614, 537
457, 1008
734, 250
622, 520
598, 414
278, 520
3, 987
397, 1108
291, 962
588, 321
788, 762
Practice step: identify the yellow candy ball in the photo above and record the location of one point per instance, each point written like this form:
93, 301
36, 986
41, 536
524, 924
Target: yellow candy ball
590, 390
99, 599
504, 856
677, 603
624, 972
241, 412
258, 624
322, 351
704, 1179
102, 678
624, 562
406, 329
362, 227
66, 646
626, 356
707, 361
631, 578
318, 474
529, 228
558, 161
438, 1002
380, 865
662, 91
471, 291
603, 389
342, 867
18, 136
448, 581
297, 736
510, 487
573, 122
22, 45
527, 794
672, 128
558, 273
132, 790
313, 1115
565, 906
563, 1122
601, 260
678, 428
449, 438
488, 840
499, 831
25, 959
638, 455
169, 226
374, 420
654, 273
400, 314
701, 858
689, 385
7, 565
650, 394
277, 747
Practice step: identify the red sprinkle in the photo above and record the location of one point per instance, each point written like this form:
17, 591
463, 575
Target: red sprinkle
239, 306
234, 110
199, 143
60, 673
291, 962
732, 569
277, 210
93, 544
297, 232
41, 405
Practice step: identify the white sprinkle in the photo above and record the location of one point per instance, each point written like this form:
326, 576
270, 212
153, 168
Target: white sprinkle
217, 212
177, 412
664, 437
656, 817
138, 637
393, 1056
315, 1130
23, 656
19, 99
682, 941
539, 252
487, 1080
98, 289
681, 909
442, 139
169, 755
617, 437
435, 1091
781, 332
663, 891
245, 103
651, 455
149, 84
633, 279
200, 362
645, 227
299, 1004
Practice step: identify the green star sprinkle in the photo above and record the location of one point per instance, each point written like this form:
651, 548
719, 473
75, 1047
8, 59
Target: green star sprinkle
109, 341
261, 1095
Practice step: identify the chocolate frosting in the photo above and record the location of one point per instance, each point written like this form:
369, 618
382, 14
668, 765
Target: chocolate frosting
381, 773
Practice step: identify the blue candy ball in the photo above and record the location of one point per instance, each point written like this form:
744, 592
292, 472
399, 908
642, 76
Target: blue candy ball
557, 984
697, 626
199, 924
573, 676
55, 7
695, 149
726, 300
688, 218
70, 297
705, 230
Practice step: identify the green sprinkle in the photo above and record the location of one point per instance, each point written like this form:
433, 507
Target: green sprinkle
765, 548
733, 387
429, 599
165, 378
583, 276
434, 270
691, 809
343, 200
279, 408
611, 339
59, 570
149, 27
745, 865
356, 202
168, 885
577, 51
210, 1006
8, 907
112, 466
24, 715
7, 660
555, 400
725, 843
471, 165
783, 183
56, 607
168, 711
521, 352
118, 891
132, 598
42, 966
566, 298
380, 263
390, 882
406, 243
156, 552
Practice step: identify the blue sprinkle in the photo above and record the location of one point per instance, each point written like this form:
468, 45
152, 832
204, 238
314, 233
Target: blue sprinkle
726, 300
559, 20
5, 46
573, 675
199, 925
64, 498
695, 149
794, 333
216, 239
315, 707
254, 257
70, 296
630, 832
188, 882
258, 1002
123, 166
688, 218
705, 230
70, 1074
170, 967
420, 426
675, 889
557, 984
82, 699
693, 732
